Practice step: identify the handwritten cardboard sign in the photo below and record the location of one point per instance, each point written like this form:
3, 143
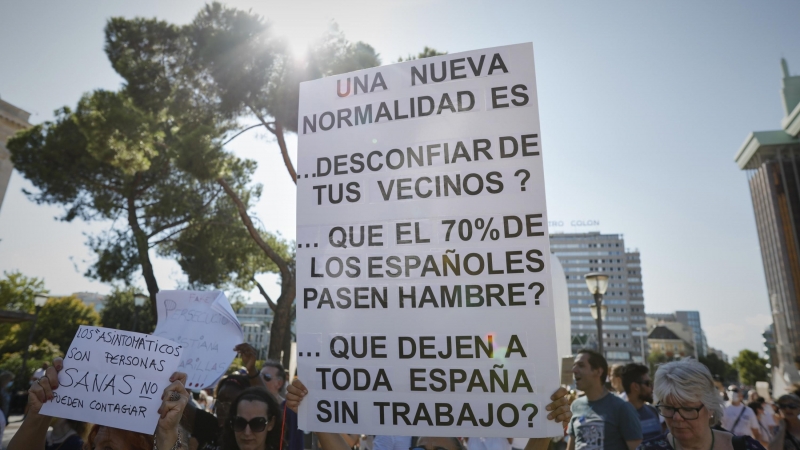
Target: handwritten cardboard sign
424, 290
114, 378
204, 323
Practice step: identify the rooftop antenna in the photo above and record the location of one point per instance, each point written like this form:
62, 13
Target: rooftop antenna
785, 68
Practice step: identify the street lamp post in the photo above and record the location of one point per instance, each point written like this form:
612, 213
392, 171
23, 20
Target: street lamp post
138, 302
641, 341
597, 284
38, 301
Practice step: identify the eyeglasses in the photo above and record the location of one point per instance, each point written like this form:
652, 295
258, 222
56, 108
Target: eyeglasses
646, 383
257, 424
684, 411
788, 406
426, 448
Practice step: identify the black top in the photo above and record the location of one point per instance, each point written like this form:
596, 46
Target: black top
207, 431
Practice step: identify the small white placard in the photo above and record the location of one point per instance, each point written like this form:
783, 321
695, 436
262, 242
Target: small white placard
205, 324
114, 378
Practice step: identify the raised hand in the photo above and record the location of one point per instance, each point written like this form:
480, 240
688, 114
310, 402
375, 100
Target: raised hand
559, 408
248, 355
173, 401
294, 394
42, 389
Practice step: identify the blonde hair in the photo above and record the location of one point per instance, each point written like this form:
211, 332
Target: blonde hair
688, 381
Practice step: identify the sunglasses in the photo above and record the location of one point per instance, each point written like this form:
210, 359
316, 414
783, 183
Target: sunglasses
257, 424
266, 376
646, 382
426, 448
788, 406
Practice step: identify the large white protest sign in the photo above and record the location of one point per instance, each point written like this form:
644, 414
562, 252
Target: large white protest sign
205, 324
114, 378
423, 299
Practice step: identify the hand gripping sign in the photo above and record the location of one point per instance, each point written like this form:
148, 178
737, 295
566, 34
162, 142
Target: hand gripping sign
114, 378
423, 262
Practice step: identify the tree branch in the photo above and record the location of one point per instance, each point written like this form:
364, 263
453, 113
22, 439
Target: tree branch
264, 294
237, 134
278, 132
283, 266
168, 226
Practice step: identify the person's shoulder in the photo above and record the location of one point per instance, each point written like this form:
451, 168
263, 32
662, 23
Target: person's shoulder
613, 399
749, 442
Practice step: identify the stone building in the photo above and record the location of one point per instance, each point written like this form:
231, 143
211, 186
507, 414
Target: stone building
12, 119
664, 339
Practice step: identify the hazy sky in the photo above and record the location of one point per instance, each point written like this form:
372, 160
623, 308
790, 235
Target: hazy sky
642, 104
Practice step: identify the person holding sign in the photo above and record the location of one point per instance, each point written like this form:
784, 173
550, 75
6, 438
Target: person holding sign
600, 419
559, 412
32, 432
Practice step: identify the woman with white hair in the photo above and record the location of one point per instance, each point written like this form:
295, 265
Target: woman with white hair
685, 396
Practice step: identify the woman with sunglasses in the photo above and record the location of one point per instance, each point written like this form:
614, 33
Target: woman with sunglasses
254, 422
685, 396
788, 435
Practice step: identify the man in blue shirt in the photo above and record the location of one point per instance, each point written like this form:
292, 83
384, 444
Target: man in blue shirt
600, 420
639, 387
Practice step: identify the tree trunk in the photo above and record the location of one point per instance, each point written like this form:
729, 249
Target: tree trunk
287, 348
281, 323
278, 132
144, 255
285, 151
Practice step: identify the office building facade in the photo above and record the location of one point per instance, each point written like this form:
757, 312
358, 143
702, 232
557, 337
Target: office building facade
692, 319
624, 329
771, 160
256, 321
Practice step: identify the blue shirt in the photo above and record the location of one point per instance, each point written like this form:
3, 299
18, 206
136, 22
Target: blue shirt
648, 417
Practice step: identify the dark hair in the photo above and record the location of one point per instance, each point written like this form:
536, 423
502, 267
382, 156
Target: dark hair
633, 373
256, 394
597, 361
456, 441
242, 381
755, 406
277, 365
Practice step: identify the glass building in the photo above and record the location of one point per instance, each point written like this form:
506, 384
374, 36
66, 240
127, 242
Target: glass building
771, 160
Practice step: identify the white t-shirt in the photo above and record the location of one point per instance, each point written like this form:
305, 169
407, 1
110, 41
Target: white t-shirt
745, 425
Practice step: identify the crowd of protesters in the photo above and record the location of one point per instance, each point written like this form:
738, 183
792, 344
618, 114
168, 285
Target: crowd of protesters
619, 407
